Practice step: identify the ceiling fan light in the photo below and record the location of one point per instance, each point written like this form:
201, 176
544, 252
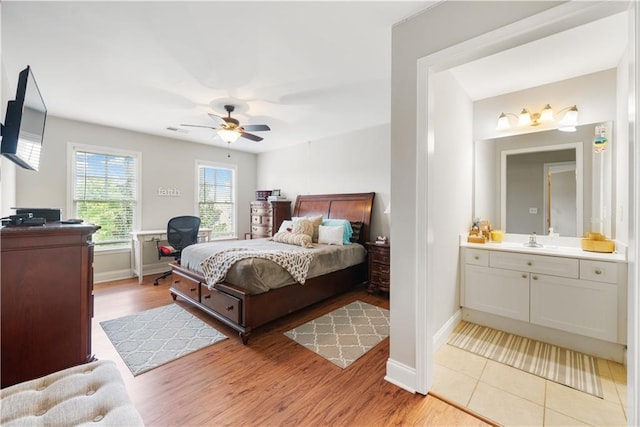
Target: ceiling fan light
546, 115
524, 119
228, 135
503, 122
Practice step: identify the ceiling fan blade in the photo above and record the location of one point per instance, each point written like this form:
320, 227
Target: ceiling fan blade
255, 128
216, 118
200, 126
251, 136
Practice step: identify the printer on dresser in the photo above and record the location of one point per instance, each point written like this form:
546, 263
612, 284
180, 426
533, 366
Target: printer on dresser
266, 217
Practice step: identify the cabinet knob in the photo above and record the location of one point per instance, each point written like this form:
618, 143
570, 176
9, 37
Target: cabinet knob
535, 277
476, 257
207, 296
598, 271
529, 263
229, 307
193, 289
524, 276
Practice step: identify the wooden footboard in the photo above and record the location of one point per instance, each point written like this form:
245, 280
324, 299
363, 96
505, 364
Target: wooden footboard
244, 312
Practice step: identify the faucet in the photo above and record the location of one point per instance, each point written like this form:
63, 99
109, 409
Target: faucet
532, 242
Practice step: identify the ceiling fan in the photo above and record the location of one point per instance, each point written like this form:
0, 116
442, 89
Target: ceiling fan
229, 129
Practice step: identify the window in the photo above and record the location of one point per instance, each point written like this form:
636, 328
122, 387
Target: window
216, 199
104, 191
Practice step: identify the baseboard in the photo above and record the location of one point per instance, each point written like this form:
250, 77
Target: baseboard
443, 333
112, 275
401, 375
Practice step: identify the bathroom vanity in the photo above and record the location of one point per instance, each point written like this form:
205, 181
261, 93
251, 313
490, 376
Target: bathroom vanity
563, 294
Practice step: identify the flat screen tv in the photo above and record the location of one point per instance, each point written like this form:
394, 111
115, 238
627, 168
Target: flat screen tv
24, 122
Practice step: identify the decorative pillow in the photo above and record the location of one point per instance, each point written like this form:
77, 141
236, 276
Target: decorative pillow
316, 220
167, 250
287, 224
356, 226
331, 234
347, 231
303, 240
303, 226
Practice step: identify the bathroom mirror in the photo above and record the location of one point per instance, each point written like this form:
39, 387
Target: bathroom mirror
525, 183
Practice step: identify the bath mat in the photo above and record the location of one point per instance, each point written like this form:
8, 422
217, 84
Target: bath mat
154, 337
345, 334
561, 365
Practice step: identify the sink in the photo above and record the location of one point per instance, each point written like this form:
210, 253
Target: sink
532, 245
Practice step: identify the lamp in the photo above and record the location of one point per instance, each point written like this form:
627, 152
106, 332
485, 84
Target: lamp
546, 115
229, 135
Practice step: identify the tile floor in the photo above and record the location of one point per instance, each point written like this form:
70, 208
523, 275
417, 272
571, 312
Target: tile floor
509, 396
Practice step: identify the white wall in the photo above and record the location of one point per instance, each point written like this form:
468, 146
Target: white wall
453, 158
440, 27
166, 163
356, 162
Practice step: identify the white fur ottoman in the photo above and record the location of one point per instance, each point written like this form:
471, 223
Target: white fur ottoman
91, 394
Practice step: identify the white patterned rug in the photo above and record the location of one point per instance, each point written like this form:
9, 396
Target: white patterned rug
154, 337
345, 334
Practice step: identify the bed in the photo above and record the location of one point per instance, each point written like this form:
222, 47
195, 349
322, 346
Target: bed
245, 308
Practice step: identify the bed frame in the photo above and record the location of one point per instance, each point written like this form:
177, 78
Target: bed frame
242, 311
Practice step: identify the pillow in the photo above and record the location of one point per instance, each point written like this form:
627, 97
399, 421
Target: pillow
316, 220
331, 234
347, 231
356, 226
303, 226
287, 224
303, 240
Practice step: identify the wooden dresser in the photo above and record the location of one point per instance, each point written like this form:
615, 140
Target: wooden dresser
266, 217
379, 267
46, 299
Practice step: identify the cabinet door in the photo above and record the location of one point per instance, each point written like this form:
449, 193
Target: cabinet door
579, 306
497, 291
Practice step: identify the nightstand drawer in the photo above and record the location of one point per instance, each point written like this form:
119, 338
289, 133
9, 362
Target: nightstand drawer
260, 229
261, 211
379, 256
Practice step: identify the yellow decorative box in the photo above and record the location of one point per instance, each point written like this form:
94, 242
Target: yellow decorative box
476, 239
598, 245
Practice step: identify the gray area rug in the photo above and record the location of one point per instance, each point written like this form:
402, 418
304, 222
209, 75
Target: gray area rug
345, 334
154, 337
561, 365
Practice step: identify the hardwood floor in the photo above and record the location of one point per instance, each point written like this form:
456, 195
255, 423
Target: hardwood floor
271, 381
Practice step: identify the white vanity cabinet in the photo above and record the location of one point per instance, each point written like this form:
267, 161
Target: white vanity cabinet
575, 295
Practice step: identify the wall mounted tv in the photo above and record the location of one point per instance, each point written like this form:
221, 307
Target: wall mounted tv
24, 122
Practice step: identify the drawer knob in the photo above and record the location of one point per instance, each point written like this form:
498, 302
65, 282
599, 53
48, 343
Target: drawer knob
229, 307
535, 277
529, 263
524, 276
598, 271
476, 257
207, 296
193, 289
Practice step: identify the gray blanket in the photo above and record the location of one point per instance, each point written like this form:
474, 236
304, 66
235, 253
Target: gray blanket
258, 275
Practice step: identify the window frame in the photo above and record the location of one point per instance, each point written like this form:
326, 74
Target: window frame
72, 149
234, 192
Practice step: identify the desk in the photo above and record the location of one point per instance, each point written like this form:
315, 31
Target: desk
144, 240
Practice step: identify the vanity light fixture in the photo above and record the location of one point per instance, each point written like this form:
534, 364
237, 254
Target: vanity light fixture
546, 115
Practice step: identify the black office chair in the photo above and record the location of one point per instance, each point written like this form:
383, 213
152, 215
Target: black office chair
182, 231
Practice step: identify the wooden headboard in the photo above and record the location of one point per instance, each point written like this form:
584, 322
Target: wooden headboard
352, 207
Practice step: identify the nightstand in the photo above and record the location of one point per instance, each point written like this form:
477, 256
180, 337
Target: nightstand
379, 267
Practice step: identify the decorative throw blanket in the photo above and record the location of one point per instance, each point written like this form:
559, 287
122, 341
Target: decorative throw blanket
215, 267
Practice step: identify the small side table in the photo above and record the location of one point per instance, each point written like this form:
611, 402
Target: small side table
379, 267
